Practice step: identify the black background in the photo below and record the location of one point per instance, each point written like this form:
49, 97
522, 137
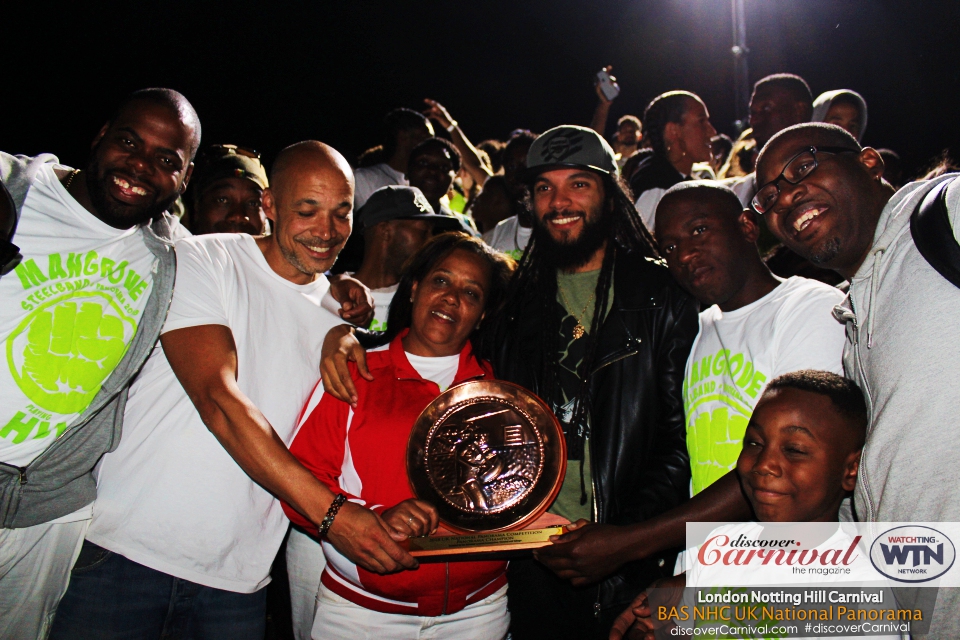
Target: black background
271, 73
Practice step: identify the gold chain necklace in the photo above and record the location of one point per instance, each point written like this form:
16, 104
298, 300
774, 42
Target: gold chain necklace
579, 329
73, 174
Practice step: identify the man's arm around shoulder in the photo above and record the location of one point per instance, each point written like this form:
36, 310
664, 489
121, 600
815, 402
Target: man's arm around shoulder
204, 359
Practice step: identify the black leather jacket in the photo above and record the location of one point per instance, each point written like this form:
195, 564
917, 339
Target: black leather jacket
638, 447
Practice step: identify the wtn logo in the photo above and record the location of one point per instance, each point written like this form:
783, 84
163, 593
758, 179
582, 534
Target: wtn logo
912, 554
899, 554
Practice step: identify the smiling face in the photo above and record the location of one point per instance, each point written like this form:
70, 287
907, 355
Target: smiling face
830, 217
566, 202
571, 224
799, 458
708, 243
230, 205
695, 131
448, 304
311, 207
140, 163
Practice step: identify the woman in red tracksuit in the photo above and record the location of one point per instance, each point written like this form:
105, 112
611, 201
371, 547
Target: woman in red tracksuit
360, 451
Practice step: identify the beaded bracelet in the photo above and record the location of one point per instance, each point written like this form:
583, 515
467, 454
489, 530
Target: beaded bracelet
331, 514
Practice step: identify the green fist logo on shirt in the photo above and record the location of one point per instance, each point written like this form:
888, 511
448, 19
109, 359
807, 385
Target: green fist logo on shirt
61, 353
714, 440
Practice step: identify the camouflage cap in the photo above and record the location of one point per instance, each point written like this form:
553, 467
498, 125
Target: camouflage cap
224, 161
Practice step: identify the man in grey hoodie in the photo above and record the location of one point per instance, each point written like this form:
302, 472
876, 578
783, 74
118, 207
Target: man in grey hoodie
823, 196
79, 316
843, 107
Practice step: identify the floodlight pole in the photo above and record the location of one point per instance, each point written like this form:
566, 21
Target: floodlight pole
741, 79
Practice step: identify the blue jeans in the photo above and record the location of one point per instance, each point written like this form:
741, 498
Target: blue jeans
111, 597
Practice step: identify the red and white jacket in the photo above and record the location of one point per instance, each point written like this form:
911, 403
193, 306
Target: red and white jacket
362, 453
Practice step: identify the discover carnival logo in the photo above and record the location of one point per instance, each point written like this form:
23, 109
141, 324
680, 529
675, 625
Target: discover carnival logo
746, 552
912, 553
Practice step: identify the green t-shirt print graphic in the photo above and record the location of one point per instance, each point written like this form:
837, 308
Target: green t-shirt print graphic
719, 394
82, 312
62, 352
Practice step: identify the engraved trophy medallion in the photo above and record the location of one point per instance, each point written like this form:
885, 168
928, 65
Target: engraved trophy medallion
490, 456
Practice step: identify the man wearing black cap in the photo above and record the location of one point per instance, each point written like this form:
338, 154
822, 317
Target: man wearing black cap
595, 325
395, 222
227, 192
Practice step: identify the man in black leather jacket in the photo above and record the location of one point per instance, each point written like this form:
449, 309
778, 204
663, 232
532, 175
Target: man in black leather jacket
616, 386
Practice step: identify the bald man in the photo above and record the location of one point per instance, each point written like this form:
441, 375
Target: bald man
78, 319
187, 521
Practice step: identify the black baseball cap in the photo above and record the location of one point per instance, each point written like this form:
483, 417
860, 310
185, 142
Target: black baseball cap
398, 202
571, 146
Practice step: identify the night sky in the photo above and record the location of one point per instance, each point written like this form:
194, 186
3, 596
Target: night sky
268, 74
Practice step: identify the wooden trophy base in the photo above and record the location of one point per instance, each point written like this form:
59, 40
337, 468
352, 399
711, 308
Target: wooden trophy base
445, 544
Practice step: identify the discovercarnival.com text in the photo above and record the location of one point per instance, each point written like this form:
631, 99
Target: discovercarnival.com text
787, 631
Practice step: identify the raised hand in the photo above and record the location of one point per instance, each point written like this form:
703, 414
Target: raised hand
436, 111
596, 86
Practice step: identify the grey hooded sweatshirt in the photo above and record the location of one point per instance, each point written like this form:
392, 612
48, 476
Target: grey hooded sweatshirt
822, 105
60, 480
903, 350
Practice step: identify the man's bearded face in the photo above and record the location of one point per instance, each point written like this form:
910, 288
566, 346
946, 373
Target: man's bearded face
571, 221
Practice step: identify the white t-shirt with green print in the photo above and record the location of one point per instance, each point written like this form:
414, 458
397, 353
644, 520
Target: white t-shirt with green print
736, 353
67, 316
381, 307
509, 237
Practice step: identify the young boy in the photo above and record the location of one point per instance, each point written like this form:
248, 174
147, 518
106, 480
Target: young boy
801, 453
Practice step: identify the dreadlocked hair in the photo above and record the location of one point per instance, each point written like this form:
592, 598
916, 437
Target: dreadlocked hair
534, 286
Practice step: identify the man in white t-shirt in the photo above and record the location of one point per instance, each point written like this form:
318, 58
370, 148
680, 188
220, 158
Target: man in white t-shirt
510, 236
403, 130
79, 317
754, 326
187, 523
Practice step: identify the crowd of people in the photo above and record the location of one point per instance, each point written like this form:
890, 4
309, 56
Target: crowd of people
201, 351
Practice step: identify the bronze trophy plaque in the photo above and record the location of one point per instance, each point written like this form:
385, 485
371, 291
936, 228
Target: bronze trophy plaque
491, 457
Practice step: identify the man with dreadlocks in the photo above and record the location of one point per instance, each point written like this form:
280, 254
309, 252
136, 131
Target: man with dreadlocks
596, 326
